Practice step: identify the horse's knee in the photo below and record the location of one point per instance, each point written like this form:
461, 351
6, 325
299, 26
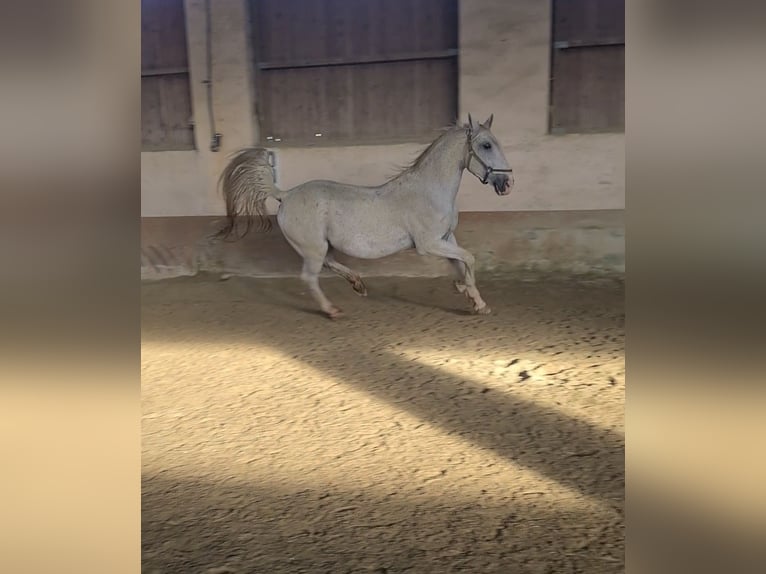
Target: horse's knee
312, 267
310, 276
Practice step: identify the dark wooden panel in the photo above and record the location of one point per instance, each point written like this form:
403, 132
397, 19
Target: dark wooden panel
284, 30
588, 21
365, 103
373, 100
437, 24
588, 89
346, 24
163, 34
299, 30
413, 25
166, 113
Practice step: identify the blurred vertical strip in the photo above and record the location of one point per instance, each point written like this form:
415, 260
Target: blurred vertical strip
696, 270
69, 280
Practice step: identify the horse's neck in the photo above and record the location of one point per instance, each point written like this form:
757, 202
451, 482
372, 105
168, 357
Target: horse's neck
437, 178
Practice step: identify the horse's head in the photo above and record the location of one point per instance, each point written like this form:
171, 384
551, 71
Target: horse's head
485, 158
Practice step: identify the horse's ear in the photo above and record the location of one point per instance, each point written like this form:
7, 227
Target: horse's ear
488, 123
470, 121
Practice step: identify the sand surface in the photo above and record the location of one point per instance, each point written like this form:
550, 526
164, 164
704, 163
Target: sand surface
410, 436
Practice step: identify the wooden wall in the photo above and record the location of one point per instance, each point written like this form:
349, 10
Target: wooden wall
166, 111
363, 71
588, 66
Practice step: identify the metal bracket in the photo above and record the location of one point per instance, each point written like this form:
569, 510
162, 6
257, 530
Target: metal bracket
272, 159
215, 142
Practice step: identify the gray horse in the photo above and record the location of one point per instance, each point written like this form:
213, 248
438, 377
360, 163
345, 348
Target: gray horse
417, 208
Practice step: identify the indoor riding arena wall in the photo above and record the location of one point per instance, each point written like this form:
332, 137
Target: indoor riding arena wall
565, 213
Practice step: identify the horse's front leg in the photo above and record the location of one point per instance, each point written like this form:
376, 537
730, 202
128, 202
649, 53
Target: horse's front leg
451, 250
459, 268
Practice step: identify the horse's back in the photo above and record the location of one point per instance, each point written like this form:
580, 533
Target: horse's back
334, 189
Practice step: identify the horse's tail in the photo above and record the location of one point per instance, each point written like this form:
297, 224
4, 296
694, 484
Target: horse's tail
246, 183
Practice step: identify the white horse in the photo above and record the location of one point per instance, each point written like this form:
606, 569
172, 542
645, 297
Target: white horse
417, 208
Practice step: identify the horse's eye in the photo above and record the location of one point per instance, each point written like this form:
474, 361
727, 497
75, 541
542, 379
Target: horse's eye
487, 145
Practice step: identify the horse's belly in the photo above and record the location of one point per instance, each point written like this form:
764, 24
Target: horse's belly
369, 245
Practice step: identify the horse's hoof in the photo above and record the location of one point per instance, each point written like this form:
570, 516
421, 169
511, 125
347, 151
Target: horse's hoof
459, 287
359, 289
483, 310
334, 313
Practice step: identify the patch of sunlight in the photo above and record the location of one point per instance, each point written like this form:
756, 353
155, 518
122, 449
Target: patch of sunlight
256, 414
588, 395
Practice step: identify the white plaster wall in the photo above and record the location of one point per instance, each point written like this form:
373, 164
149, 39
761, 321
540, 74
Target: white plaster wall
504, 69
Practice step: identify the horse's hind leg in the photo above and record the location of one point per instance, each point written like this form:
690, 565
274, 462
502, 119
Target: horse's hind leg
311, 269
459, 268
352, 277
313, 260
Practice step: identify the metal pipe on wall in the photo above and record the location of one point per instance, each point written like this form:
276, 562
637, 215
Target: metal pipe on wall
215, 139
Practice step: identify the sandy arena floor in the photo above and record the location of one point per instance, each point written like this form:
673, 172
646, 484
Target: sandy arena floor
409, 436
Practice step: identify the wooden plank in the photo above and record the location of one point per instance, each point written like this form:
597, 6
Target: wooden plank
165, 90
298, 30
337, 23
377, 102
166, 113
288, 29
371, 70
588, 90
588, 21
362, 18
400, 33
163, 34
151, 121
436, 23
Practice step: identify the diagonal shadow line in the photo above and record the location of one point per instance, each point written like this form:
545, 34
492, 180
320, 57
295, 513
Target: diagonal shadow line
567, 450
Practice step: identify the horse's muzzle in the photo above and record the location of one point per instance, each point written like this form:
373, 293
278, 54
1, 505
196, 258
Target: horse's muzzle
502, 184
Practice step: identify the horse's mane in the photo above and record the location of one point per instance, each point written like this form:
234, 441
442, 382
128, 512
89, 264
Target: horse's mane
418, 161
